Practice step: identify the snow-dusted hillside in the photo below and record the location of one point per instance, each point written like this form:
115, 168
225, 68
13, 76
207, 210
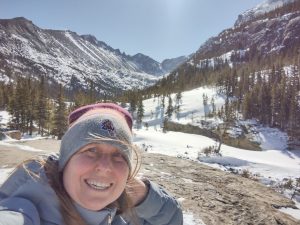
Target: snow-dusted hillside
70, 59
272, 141
252, 35
273, 166
264, 7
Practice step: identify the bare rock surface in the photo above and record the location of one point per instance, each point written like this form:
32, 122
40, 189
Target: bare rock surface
217, 197
214, 196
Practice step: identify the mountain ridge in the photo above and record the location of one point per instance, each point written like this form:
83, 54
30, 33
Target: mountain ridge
262, 35
264, 7
67, 58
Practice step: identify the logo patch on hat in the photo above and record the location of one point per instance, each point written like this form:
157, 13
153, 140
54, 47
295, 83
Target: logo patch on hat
108, 126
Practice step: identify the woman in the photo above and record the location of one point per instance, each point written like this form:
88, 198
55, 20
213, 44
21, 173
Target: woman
92, 180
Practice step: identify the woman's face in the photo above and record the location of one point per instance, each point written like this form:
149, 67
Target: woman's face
96, 176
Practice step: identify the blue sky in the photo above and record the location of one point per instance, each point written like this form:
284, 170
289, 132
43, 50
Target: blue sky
158, 28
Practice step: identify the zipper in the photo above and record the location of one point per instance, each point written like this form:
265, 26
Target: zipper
109, 218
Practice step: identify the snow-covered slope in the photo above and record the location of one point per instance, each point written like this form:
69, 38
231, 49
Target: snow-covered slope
273, 165
264, 7
71, 59
254, 34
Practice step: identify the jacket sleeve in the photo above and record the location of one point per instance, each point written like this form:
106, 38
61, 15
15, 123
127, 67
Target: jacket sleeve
18, 211
159, 208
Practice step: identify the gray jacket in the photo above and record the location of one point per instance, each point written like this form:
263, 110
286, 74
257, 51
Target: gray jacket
29, 200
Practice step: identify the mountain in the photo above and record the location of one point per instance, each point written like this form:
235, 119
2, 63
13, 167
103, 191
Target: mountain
171, 64
255, 34
260, 9
73, 60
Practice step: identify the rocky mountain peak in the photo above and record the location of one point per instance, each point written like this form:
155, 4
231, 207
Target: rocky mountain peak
277, 31
260, 9
148, 63
90, 38
17, 24
71, 59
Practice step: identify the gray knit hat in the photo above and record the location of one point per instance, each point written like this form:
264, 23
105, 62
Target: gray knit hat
97, 125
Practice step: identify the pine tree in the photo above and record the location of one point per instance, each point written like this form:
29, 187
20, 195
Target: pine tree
178, 98
140, 112
229, 117
92, 93
16, 106
80, 99
30, 106
246, 107
59, 120
132, 104
213, 106
170, 108
283, 103
2, 104
163, 101
41, 107
275, 105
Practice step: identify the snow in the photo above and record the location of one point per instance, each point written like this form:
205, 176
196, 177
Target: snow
272, 138
69, 35
268, 6
275, 164
264, 7
189, 220
4, 117
293, 212
72, 56
271, 166
16, 144
4, 78
226, 57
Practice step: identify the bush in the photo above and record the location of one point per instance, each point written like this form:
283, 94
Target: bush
288, 184
246, 173
208, 151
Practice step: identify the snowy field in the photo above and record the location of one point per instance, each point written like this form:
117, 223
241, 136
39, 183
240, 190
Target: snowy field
271, 166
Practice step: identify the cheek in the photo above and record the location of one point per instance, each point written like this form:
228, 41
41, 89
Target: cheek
122, 172
72, 174
67, 180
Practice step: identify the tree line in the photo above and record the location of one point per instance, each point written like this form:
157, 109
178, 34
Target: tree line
271, 96
34, 109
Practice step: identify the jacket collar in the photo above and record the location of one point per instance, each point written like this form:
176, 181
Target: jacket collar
96, 217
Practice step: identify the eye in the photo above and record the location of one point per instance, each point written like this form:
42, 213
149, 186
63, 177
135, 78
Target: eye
118, 157
91, 151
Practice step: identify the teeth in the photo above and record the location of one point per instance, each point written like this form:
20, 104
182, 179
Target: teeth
97, 185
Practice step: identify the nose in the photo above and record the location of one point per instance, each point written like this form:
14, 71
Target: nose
104, 163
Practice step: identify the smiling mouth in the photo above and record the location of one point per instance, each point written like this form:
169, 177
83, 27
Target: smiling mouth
98, 185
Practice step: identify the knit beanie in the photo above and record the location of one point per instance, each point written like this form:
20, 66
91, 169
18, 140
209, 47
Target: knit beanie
98, 123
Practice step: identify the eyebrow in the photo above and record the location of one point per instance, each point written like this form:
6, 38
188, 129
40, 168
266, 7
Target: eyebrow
94, 145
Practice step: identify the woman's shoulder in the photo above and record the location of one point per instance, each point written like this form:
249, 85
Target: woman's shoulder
29, 183
30, 171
